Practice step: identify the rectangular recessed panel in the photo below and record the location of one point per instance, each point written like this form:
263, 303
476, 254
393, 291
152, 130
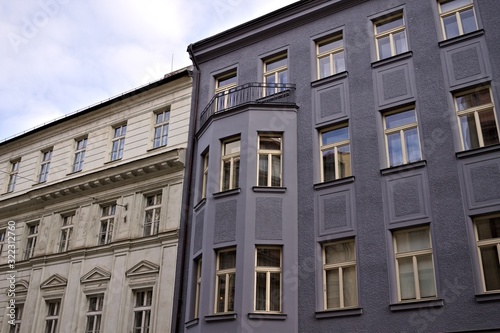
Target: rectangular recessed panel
225, 222
198, 232
268, 218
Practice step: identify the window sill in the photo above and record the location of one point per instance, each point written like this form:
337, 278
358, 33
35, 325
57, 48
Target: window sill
73, 172
390, 60
267, 316
413, 305
227, 193
192, 323
478, 151
462, 38
332, 183
339, 313
156, 148
269, 189
489, 297
330, 79
221, 317
404, 167
200, 204
112, 161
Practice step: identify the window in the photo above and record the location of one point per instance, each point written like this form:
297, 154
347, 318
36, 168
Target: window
330, 55
107, 222
14, 170
161, 128
44, 167
390, 36
142, 311
16, 328
81, 145
66, 231
152, 219
488, 248
118, 142
476, 118
275, 74
269, 151
198, 288
31, 243
224, 87
225, 278
335, 153
268, 279
339, 274
52, 316
205, 176
230, 165
401, 138
414, 264
457, 17
2, 239
94, 314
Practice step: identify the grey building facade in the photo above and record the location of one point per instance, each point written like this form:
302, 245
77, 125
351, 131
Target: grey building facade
345, 171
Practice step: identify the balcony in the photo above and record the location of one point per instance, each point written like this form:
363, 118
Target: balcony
250, 93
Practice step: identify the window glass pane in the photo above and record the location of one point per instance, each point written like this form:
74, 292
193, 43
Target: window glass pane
426, 276
350, 286
395, 151
453, 4
236, 172
263, 170
469, 132
473, 99
451, 26
491, 268
413, 240
227, 259
260, 292
268, 257
276, 170
232, 147
283, 77
344, 158
328, 165
324, 67
275, 292
330, 45
384, 47
388, 25
230, 301
226, 175
412, 145
400, 119
488, 127
340, 252
221, 295
468, 21
229, 80
406, 278
339, 60
335, 136
332, 289
276, 64
488, 228
270, 143
90, 324
400, 42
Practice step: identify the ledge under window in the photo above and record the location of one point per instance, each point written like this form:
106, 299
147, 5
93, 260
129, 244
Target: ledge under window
269, 189
267, 316
329, 79
332, 183
339, 313
392, 59
227, 193
192, 323
462, 38
478, 151
488, 297
432, 303
200, 204
404, 167
221, 317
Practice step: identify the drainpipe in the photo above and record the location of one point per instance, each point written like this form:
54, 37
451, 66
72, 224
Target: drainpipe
182, 254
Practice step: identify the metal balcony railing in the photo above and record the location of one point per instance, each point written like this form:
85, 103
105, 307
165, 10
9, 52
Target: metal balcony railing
255, 92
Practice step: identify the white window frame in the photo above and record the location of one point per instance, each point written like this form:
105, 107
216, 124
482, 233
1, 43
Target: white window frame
95, 313
16, 328
52, 319
31, 239
223, 92
232, 158
275, 72
340, 266
204, 184
401, 130
3, 234
145, 310
161, 128
107, 220
13, 174
268, 270
335, 146
66, 231
490, 242
152, 228
330, 54
270, 153
45, 165
390, 33
455, 12
226, 273
118, 142
199, 264
475, 110
414, 255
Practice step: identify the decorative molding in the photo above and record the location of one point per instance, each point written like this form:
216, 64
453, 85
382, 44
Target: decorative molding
97, 274
142, 268
54, 281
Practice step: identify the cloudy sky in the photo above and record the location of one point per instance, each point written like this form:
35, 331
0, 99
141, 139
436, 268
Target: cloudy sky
59, 56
